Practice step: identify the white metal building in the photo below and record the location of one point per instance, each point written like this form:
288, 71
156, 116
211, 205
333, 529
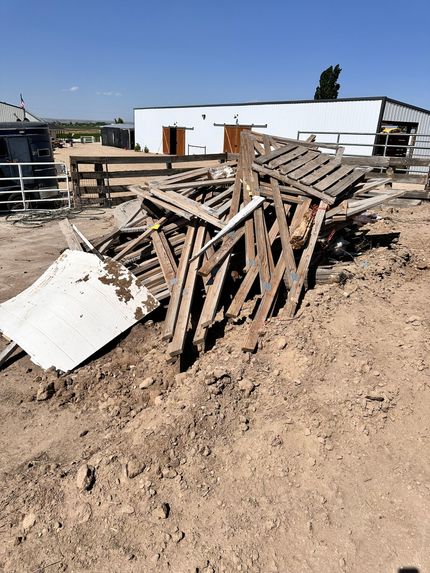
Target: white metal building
9, 112
216, 128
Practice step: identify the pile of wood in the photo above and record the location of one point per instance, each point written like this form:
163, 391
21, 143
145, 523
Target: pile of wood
208, 240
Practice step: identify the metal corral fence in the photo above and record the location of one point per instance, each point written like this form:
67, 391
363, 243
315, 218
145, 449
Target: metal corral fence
375, 144
25, 186
190, 147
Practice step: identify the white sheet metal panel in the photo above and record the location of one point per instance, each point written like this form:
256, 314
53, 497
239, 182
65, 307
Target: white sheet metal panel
396, 112
75, 308
283, 119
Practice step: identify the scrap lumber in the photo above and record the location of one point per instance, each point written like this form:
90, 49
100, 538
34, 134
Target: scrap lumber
87, 243
250, 277
284, 232
7, 352
187, 206
164, 254
207, 240
178, 341
302, 270
69, 234
306, 189
247, 181
218, 256
264, 307
234, 222
175, 299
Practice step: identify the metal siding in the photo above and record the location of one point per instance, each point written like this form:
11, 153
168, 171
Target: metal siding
284, 119
396, 112
8, 111
76, 307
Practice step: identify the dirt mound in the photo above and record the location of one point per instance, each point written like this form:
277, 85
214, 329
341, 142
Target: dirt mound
310, 455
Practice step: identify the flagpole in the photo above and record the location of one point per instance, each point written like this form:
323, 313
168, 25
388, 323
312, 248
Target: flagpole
22, 105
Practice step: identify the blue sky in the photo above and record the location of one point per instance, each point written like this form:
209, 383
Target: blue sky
99, 59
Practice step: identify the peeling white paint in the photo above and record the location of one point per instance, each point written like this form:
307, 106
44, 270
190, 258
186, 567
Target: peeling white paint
75, 308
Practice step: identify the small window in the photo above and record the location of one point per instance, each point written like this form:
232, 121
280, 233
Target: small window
44, 153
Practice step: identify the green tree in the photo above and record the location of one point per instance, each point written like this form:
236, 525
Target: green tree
328, 87
118, 120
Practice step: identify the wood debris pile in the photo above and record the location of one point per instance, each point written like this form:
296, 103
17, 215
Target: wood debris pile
208, 240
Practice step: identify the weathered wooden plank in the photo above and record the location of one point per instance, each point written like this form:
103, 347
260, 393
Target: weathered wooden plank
247, 182
112, 160
131, 245
7, 352
322, 171
164, 255
214, 289
258, 148
176, 294
188, 175
299, 213
289, 156
70, 236
188, 205
298, 162
287, 250
226, 247
87, 243
166, 206
100, 175
243, 214
259, 222
194, 184
380, 161
262, 249
347, 181
250, 277
309, 167
271, 155
305, 259
210, 305
333, 178
306, 189
176, 346
286, 140
264, 307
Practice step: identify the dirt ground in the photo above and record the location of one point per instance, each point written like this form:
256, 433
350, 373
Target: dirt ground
91, 150
311, 455
96, 149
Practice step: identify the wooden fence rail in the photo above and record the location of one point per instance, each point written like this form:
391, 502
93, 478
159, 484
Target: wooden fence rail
97, 180
93, 186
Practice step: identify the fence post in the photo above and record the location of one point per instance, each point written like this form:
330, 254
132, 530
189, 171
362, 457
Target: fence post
21, 184
98, 167
74, 173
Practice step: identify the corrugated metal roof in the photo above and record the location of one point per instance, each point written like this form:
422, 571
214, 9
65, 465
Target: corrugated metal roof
283, 102
11, 113
120, 125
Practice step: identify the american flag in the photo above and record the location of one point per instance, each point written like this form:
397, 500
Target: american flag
22, 102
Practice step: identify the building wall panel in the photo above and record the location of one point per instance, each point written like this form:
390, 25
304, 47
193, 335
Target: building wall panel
283, 119
9, 112
396, 112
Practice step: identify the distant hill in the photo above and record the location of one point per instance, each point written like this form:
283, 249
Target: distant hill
77, 121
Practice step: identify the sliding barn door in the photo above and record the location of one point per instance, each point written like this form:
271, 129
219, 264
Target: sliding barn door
166, 140
232, 138
180, 141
